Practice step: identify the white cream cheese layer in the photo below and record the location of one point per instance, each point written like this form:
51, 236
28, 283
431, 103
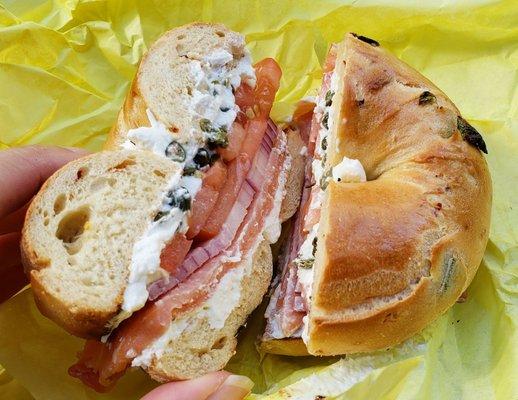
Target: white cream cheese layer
216, 78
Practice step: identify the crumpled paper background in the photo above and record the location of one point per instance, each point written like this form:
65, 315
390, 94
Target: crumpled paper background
65, 66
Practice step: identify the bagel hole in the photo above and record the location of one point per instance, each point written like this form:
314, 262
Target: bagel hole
71, 227
220, 34
180, 37
59, 204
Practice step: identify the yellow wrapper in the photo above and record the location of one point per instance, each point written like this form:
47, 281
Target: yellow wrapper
65, 67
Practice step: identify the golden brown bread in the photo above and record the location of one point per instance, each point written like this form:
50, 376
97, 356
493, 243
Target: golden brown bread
397, 251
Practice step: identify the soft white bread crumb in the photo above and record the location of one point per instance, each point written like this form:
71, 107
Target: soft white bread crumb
79, 233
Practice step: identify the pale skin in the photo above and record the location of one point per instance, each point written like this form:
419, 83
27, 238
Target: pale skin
22, 172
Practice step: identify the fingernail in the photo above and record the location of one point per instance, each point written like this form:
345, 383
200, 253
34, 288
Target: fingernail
234, 387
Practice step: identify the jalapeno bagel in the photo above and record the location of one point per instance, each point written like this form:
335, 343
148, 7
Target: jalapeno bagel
161, 242
395, 212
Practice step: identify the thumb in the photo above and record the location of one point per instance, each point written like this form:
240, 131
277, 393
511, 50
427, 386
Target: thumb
204, 388
23, 170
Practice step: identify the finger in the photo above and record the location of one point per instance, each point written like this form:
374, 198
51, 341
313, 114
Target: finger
9, 251
194, 389
13, 222
235, 387
13, 280
23, 170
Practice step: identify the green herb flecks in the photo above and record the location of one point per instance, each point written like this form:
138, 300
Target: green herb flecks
427, 98
206, 125
448, 268
470, 134
175, 151
314, 244
217, 137
324, 181
306, 264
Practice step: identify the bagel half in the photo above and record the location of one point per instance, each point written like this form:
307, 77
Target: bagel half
89, 255
395, 251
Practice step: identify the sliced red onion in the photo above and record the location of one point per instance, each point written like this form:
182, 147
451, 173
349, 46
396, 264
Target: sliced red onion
299, 304
211, 248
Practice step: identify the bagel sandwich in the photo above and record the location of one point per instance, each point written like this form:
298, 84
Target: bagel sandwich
395, 210
157, 248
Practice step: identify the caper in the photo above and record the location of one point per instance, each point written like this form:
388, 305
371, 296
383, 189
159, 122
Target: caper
325, 121
189, 169
224, 109
427, 98
180, 197
175, 151
160, 215
314, 244
329, 98
202, 158
323, 144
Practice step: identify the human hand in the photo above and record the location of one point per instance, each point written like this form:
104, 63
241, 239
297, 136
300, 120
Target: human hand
22, 172
219, 385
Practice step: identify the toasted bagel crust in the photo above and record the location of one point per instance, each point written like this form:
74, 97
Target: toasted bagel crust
398, 250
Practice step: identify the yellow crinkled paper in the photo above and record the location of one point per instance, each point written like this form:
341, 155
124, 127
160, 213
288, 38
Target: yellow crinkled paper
65, 66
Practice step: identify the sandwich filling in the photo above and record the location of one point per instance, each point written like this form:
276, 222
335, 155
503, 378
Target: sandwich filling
287, 313
230, 192
214, 111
